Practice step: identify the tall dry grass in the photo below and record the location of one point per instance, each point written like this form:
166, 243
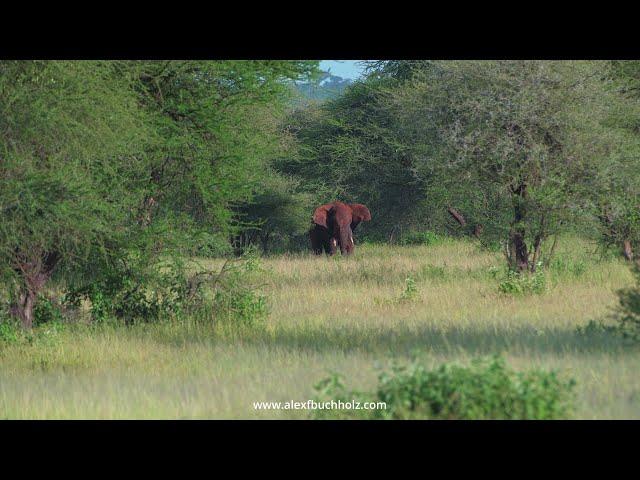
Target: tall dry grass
336, 314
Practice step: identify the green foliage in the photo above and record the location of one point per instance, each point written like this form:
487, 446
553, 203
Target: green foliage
47, 311
132, 292
9, 332
71, 140
217, 126
237, 301
526, 147
487, 389
628, 311
421, 238
278, 213
155, 158
410, 291
524, 283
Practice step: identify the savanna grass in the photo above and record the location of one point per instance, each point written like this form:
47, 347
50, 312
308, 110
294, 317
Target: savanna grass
336, 314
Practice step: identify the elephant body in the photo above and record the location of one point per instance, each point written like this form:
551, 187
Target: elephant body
333, 226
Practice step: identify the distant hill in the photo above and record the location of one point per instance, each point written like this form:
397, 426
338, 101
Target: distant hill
326, 87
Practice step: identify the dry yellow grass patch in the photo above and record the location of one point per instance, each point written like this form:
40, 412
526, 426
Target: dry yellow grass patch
341, 314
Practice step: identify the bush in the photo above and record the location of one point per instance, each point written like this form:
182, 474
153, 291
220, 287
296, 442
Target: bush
628, 312
46, 311
523, 283
235, 297
131, 293
421, 238
9, 332
410, 291
486, 389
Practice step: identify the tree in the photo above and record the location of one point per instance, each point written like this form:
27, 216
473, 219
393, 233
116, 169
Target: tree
70, 141
618, 205
218, 129
515, 136
105, 161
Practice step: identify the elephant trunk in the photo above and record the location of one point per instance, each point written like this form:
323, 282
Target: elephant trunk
346, 240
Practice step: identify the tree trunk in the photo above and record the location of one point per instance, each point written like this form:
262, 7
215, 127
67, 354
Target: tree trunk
519, 254
536, 252
35, 269
627, 251
391, 236
23, 308
264, 238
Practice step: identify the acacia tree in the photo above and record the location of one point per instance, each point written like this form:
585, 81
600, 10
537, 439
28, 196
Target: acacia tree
217, 126
518, 133
70, 137
618, 203
111, 158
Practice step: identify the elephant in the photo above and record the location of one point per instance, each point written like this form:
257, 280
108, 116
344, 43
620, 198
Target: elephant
333, 226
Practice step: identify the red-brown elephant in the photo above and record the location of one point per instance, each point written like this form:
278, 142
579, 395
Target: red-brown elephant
333, 226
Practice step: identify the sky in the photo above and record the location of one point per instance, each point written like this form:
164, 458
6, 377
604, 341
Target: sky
343, 68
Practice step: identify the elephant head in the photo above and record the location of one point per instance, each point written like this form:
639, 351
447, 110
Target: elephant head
333, 225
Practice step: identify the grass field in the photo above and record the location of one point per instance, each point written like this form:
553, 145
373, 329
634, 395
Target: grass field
336, 314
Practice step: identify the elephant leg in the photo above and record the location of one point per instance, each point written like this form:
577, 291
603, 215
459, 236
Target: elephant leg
316, 240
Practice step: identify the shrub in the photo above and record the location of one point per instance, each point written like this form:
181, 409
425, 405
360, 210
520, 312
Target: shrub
628, 312
523, 283
410, 291
9, 332
236, 298
421, 238
46, 311
486, 389
131, 293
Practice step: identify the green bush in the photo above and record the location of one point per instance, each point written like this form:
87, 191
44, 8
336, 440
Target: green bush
628, 312
486, 389
410, 291
421, 238
236, 298
523, 283
46, 311
9, 331
130, 293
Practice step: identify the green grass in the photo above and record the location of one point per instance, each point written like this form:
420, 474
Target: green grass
336, 314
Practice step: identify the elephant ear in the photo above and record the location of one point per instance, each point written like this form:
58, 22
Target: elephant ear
360, 213
320, 215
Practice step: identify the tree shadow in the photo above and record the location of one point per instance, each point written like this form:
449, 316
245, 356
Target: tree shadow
475, 341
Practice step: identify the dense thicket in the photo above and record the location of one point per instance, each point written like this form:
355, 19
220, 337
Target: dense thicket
105, 163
